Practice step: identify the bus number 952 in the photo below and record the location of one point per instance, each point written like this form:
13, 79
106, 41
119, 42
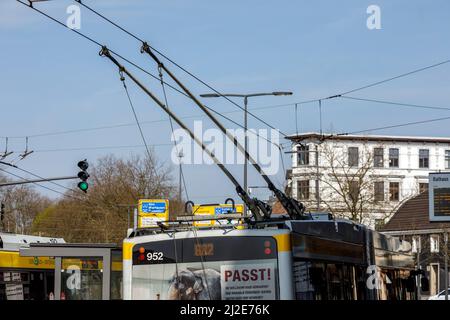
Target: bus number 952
154, 256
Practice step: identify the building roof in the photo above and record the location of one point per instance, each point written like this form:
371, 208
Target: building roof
413, 215
277, 208
376, 138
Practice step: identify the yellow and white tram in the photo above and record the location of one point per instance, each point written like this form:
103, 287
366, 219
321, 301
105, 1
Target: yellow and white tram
25, 278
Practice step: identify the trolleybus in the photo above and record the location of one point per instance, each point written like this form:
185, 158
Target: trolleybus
291, 259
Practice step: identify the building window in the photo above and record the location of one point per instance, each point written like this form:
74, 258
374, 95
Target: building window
434, 243
303, 190
353, 191
378, 157
447, 159
302, 155
378, 191
393, 158
424, 158
379, 223
415, 245
423, 187
394, 191
353, 156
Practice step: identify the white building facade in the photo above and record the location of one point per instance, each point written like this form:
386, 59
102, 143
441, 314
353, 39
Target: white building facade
363, 177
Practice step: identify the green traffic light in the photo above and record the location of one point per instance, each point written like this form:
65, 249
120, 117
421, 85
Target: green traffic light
83, 186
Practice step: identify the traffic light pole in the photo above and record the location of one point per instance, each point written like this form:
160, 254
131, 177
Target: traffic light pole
5, 184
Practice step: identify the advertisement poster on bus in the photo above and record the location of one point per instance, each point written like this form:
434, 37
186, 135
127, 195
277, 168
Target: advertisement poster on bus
214, 211
251, 282
217, 267
248, 280
152, 211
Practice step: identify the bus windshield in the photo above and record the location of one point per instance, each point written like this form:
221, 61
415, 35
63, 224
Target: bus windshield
206, 268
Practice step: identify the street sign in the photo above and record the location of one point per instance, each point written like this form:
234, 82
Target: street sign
214, 210
439, 196
152, 211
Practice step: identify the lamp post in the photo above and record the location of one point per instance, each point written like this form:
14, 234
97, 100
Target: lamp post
246, 96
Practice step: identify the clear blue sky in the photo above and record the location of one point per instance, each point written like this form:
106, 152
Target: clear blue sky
53, 80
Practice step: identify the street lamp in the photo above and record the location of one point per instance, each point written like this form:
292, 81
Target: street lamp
246, 96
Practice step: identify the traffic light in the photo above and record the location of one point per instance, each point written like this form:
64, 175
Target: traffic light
2, 212
83, 175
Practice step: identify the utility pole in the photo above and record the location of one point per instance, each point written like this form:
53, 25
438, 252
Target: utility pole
180, 155
246, 96
246, 149
419, 250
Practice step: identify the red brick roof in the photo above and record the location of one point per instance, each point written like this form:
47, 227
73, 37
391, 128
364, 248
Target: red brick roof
277, 208
413, 215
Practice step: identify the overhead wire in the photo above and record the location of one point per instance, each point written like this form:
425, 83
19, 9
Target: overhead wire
392, 126
122, 79
395, 77
198, 79
38, 184
153, 76
174, 63
409, 105
120, 125
173, 132
129, 61
213, 89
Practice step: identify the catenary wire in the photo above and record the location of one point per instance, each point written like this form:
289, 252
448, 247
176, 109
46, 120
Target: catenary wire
132, 63
174, 63
195, 77
173, 133
393, 126
40, 185
409, 105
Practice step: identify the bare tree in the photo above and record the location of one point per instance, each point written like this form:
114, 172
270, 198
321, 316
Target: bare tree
105, 212
22, 204
348, 185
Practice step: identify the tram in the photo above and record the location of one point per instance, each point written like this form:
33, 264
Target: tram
325, 259
25, 278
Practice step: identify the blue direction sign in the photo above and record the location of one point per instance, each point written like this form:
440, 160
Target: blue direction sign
153, 207
152, 211
224, 210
